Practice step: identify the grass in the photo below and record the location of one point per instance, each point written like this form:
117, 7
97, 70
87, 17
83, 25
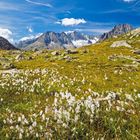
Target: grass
90, 97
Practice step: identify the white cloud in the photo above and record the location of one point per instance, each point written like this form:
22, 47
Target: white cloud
71, 21
6, 33
29, 29
9, 6
39, 3
30, 37
128, 0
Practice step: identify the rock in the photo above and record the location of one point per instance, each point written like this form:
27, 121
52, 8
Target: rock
71, 51
37, 53
30, 58
46, 56
3, 60
85, 51
113, 57
55, 53
14, 52
20, 57
138, 60
122, 43
137, 52
8, 66
68, 58
35, 50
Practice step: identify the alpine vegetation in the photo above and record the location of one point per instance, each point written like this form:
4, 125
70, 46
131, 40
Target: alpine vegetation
69, 70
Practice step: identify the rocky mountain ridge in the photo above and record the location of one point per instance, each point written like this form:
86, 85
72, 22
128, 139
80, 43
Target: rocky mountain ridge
117, 30
6, 45
52, 40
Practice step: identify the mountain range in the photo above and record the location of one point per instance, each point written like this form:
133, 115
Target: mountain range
52, 40
65, 40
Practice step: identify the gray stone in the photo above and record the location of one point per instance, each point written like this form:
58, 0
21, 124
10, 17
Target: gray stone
137, 52
20, 57
55, 53
122, 43
8, 66
71, 51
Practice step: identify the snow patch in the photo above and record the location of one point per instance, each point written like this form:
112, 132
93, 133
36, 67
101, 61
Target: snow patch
80, 43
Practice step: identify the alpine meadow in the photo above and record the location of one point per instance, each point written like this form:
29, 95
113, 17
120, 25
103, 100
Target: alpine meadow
70, 70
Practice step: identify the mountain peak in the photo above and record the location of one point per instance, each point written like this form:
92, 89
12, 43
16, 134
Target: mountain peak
117, 30
53, 40
122, 28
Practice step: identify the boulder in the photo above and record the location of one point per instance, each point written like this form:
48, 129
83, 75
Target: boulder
55, 53
71, 51
30, 58
8, 66
3, 60
20, 57
35, 50
137, 52
122, 43
85, 51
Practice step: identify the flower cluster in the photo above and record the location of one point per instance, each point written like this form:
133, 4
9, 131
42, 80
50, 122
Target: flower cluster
37, 104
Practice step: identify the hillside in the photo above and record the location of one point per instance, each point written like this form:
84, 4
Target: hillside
90, 92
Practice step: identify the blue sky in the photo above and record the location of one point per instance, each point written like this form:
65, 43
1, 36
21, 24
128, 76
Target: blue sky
21, 18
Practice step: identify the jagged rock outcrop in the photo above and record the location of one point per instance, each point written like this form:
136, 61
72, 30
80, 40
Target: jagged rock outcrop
122, 43
52, 40
117, 30
134, 33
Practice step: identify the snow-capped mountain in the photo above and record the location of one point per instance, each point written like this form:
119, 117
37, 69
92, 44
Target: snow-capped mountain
78, 39
52, 40
25, 41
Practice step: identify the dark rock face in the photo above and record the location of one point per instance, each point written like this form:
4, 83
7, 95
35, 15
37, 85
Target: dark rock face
51, 40
57, 38
6, 45
117, 30
76, 36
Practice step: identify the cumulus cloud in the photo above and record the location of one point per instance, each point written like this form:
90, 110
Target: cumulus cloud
71, 21
6, 33
39, 3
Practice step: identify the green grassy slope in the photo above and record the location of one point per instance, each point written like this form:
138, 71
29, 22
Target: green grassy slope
104, 89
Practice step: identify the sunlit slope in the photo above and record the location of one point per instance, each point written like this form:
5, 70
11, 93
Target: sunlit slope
91, 92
